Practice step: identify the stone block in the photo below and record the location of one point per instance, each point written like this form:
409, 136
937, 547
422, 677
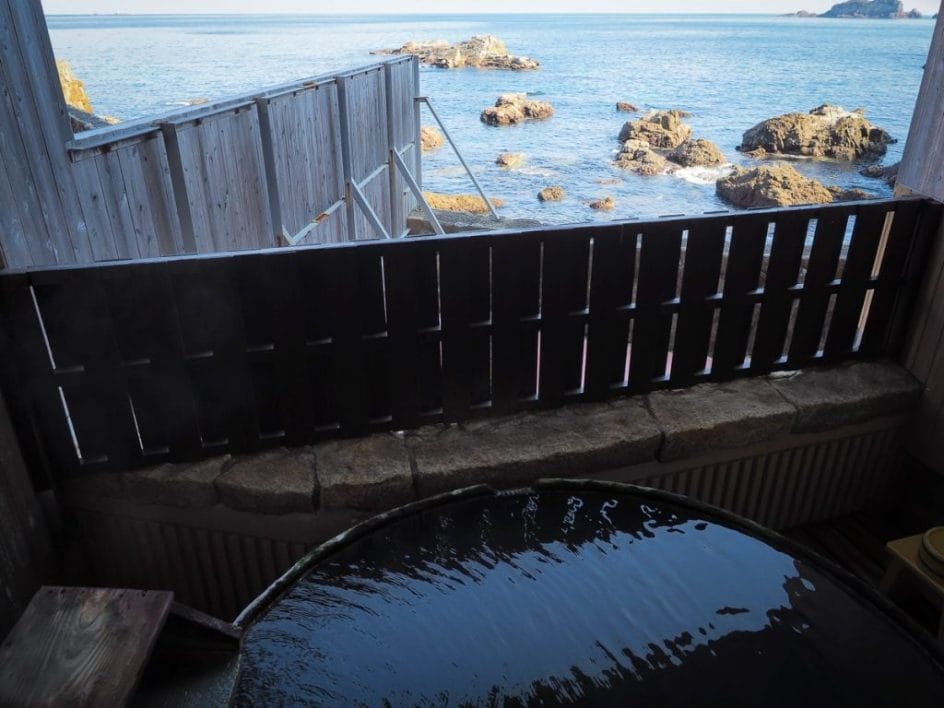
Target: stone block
714, 416
182, 485
506, 452
371, 473
845, 395
277, 482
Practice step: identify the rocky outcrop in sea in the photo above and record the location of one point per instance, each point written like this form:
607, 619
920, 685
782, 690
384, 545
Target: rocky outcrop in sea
871, 9
639, 157
661, 129
514, 108
81, 115
554, 193
826, 131
430, 139
483, 52
697, 153
465, 203
778, 186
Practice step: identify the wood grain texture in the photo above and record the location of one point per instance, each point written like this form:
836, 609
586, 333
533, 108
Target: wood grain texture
81, 646
182, 358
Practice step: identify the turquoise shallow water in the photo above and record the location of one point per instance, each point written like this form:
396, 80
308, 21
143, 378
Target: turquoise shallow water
730, 71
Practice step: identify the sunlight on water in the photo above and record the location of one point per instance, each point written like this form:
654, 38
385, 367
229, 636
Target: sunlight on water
730, 71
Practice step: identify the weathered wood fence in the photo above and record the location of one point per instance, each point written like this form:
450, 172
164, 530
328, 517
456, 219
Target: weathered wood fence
124, 365
314, 161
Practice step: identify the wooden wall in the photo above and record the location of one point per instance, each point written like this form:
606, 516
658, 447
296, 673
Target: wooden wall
922, 172
302, 163
25, 553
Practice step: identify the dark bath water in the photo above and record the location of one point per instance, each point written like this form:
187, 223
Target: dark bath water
592, 598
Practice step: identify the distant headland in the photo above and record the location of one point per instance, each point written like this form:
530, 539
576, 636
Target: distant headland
866, 9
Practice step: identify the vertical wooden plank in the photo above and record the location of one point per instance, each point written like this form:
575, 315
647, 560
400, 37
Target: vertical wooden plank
703, 255
656, 281
741, 278
856, 276
563, 312
400, 268
455, 294
611, 293
271, 175
178, 177
901, 240
32, 80
814, 297
783, 269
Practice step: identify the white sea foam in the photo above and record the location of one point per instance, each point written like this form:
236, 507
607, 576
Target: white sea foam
703, 175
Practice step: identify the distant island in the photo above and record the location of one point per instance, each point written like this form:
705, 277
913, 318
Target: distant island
876, 9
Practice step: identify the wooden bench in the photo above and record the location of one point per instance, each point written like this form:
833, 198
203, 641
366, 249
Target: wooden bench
90, 646
904, 552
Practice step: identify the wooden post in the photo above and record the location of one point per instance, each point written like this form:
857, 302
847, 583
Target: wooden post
397, 220
24, 542
922, 172
42, 220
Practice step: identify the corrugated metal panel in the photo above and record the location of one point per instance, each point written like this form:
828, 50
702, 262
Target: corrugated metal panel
790, 487
220, 572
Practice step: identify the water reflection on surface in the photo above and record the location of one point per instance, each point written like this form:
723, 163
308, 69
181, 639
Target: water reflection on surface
559, 598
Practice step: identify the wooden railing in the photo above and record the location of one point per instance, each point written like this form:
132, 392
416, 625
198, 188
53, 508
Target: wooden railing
319, 160
117, 366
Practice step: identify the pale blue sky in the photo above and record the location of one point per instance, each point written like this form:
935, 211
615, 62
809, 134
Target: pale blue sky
438, 6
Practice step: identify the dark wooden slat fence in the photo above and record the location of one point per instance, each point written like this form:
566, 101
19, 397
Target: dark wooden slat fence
124, 365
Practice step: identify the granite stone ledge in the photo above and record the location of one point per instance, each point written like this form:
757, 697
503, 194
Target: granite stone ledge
182, 485
715, 416
370, 474
277, 482
845, 395
517, 450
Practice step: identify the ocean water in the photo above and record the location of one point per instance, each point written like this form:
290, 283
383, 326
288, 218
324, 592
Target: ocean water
729, 71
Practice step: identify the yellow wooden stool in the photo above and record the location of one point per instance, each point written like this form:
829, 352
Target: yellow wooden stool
904, 552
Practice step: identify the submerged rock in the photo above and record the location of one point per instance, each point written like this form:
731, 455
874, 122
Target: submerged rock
430, 139
697, 153
626, 107
604, 204
826, 131
485, 52
888, 173
510, 159
551, 194
513, 108
771, 186
639, 157
466, 203
661, 129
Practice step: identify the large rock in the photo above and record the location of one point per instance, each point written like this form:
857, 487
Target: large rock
468, 203
603, 204
554, 193
485, 52
661, 129
639, 157
513, 108
73, 89
510, 160
873, 9
430, 139
889, 173
697, 153
771, 186
826, 131
626, 107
